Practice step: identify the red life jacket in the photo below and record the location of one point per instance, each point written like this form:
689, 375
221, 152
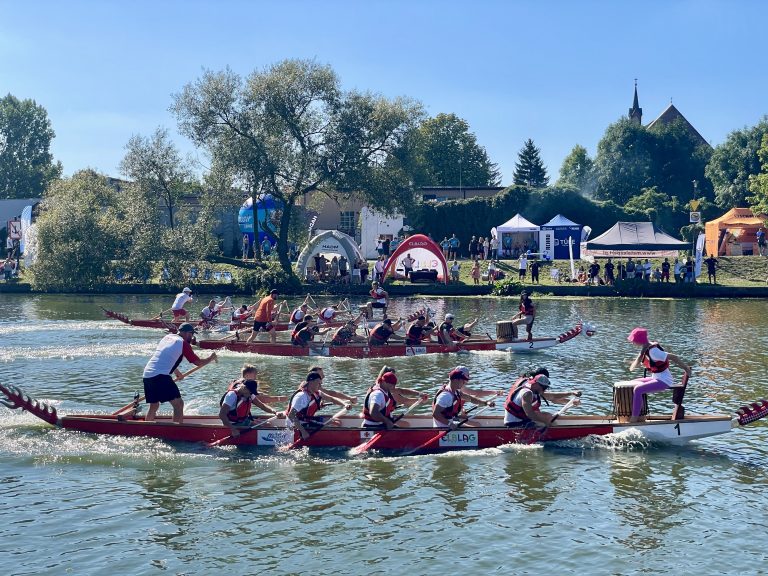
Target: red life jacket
381, 333
654, 366
526, 307
455, 408
342, 336
388, 408
520, 385
296, 329
242, 409
314, 404
451, 332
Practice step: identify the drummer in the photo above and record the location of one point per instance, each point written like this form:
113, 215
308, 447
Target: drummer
526, 315
656, 361
380, 299
522, 406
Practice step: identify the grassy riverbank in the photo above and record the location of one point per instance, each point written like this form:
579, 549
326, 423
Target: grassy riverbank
738, 276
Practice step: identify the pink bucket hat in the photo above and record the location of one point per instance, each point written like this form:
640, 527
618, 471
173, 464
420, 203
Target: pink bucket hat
638, 336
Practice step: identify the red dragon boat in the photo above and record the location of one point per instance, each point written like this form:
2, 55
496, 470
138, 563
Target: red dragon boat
393, 349
416, 434
173, 325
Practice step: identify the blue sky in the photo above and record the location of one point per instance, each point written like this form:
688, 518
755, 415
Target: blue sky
555, 71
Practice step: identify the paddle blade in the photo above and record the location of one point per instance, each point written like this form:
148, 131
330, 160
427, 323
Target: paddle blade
367, 445
219, 442
429, 444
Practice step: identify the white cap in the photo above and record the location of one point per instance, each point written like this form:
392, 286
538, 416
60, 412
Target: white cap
188, 290
449, 316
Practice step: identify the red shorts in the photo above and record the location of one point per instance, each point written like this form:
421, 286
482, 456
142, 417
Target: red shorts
179, 313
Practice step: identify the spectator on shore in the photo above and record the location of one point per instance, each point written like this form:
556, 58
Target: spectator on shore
689, 277
609, 278
454, 244
246, 246
492, 272
760, 241
630, 268
522, 266
455, 269
535, 271
711, 263
621, 271
494, 244
486, 247
445, 245
665, 270
677, 269
472, 248
385, 245
475, 272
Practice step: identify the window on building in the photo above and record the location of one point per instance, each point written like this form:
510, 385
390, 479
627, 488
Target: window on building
348, 222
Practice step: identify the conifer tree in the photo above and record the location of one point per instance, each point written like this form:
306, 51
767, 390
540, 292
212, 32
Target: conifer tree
529, 168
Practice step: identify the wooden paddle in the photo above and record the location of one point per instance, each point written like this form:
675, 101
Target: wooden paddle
445, 432
373, 440
244, 431
137, 400
301, 440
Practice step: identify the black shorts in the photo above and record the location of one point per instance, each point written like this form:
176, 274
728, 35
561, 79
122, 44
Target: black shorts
160, 388
258, 326
378, 305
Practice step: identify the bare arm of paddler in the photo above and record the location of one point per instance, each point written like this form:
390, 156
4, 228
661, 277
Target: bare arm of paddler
562, 397
526, 399
408, 396
345, 397
336, 400
258, 400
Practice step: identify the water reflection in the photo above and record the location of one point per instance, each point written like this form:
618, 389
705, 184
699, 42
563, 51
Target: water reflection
449, 476
532, 480
649, 497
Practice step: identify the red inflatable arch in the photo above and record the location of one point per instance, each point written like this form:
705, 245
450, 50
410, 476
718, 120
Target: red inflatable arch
424, 251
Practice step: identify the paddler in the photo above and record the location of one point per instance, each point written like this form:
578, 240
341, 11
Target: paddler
526, 315
382, 332
448, 404
346, 334
418, 332
210, 312
383, 397
305, 403
241, 314
336, 393
523, 403
264, 316
158, 385
329, 313
235, 411
656, 361
299, 314
447, 333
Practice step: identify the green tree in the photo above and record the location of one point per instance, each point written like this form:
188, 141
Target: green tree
733, 162
758, 183
623, 162
26, 164
166, 216
156, 167
76, 234
529, 168
443, 152
576, 171
291, 130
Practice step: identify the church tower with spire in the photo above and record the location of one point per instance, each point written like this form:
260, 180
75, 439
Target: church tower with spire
636, 113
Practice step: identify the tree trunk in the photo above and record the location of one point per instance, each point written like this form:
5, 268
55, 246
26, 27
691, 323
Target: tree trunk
282, 239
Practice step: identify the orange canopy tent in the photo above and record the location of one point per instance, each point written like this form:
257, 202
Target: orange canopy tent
733, 234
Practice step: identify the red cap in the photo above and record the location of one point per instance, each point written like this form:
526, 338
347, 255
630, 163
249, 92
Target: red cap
389, 378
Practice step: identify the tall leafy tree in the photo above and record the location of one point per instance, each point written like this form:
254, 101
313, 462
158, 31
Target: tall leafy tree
576, 171
156, 167
291, 130
758, 183
623, 164
26, 163
76, 233
443, 152
733, 162
156, 225
529, 168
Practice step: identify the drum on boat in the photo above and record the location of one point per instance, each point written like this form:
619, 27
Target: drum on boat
504, 331
622, 401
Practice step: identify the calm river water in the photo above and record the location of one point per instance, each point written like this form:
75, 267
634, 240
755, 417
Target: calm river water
80, 504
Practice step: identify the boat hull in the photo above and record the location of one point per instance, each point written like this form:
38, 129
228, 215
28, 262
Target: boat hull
414, 431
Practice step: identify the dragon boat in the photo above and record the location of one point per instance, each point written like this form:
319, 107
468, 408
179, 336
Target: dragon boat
414, 434
172, 325
394, 349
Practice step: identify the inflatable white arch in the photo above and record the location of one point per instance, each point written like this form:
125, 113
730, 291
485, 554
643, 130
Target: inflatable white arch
329, 242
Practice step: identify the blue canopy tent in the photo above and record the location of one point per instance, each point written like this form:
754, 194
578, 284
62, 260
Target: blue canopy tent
563, 229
